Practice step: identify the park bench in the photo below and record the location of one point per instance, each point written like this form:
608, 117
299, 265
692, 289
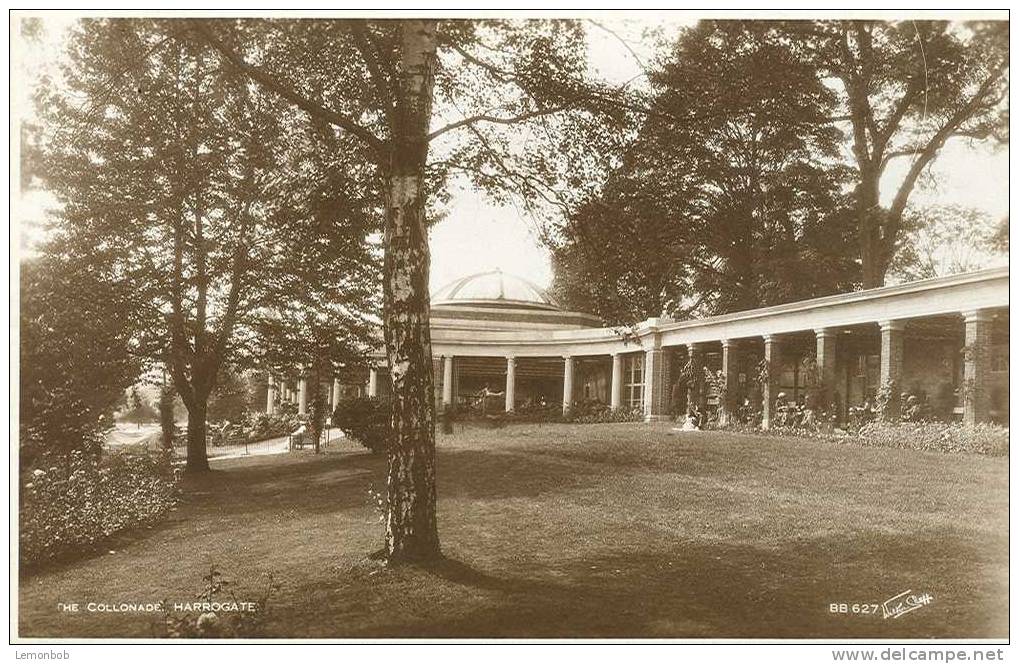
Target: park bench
298, 439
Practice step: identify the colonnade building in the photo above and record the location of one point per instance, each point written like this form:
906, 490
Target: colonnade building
944, 340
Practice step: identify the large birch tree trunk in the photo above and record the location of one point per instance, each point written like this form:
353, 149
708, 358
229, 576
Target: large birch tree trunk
411, 529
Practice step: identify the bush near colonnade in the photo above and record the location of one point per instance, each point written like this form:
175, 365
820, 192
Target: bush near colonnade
928, 436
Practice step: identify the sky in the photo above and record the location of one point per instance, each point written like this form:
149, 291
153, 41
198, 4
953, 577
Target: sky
477, 235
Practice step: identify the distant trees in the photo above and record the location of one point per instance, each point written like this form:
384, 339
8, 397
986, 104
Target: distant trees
137, 409
939, 240
730, 186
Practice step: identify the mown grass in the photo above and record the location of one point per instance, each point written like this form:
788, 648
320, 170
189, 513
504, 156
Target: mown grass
618, 530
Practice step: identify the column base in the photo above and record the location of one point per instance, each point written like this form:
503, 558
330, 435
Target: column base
657, 418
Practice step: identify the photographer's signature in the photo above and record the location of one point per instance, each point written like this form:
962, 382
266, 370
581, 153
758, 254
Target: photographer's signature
903, 603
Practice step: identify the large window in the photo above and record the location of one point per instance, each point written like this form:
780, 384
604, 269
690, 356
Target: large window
633, 380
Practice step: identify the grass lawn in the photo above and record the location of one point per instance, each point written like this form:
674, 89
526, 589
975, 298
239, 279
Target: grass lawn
616, 530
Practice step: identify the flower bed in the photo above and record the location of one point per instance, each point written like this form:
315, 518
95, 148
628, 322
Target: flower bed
602, 414
73, 507
987, 439
946, 437
261, 426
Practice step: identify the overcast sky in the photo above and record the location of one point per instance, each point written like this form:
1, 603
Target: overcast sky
477, 236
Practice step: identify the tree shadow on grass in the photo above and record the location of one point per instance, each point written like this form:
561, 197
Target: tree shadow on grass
341, 481
703, 590
321, 484
496, 475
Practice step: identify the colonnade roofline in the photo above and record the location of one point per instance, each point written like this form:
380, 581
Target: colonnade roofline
955, 294
952, 295
870, 295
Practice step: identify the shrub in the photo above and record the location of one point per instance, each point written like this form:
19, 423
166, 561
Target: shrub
599, 413
540, 413
947, 437
988, 439
262, 426
76, 357
218, 613
368, 420
73, 507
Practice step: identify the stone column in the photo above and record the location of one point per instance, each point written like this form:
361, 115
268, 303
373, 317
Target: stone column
511, 383
695, 393
270, 397
302, 399
437, 382
891, 366
826, 339
336, 392
567, 384
773, 360
976, 402
373, 382
447, 381
656, 385
616, 388
730, 372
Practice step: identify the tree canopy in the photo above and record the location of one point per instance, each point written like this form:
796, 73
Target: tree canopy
730, 184
906, 89
764, 147
77, 354
193, 188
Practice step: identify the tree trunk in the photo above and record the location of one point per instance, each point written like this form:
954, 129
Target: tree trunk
198, 460
411, 529
868, 218
871, 273
317, 406
166, 422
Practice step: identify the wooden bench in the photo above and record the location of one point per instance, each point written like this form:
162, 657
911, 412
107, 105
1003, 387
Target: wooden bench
297, 440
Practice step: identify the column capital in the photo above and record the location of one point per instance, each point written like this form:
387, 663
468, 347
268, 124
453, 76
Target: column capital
825, 332
511, 359
977, 315
892, 325
771, 338
729, 343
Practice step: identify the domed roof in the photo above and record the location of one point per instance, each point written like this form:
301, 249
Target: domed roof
494, 288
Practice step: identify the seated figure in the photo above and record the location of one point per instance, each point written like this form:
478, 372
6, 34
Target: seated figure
689, 423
